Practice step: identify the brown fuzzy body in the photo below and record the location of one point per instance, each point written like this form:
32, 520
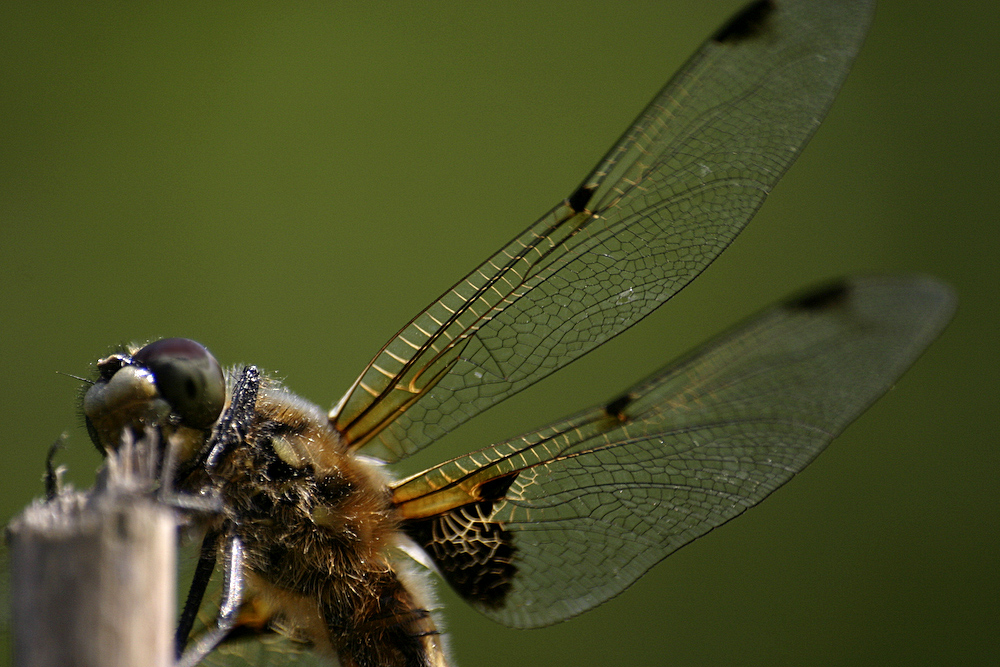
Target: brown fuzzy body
319, 533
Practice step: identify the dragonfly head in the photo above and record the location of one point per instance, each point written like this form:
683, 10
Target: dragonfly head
174, 386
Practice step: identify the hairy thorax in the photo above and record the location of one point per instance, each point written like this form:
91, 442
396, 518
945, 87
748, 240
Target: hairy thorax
318, 532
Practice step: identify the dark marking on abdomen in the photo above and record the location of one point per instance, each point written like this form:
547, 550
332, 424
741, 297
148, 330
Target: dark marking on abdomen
750, 22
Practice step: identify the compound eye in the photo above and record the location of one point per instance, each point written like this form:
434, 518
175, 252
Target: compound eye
188, 377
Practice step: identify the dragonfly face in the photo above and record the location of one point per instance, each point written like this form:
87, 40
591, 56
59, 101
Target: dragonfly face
545, 526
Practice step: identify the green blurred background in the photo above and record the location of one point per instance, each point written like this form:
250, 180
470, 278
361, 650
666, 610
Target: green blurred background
289, 184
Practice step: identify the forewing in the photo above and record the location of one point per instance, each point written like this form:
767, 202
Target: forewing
545, 526
664, 202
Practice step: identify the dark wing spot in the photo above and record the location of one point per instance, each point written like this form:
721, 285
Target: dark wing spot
496, 488
750, 22
578, 200
475, 555
616, 408
826, 297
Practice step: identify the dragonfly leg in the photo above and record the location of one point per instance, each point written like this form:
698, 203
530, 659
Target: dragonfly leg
196, 593
229, 605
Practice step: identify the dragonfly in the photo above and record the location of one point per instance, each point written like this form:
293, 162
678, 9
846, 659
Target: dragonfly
323, 554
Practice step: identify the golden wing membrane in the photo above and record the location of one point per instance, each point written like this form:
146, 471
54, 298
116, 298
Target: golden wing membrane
663, 203
545, 526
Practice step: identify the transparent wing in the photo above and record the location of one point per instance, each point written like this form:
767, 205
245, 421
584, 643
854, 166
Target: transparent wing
663, 203
545, 526
269, 650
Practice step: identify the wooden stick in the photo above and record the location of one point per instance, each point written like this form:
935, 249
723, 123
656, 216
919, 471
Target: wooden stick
93, 574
